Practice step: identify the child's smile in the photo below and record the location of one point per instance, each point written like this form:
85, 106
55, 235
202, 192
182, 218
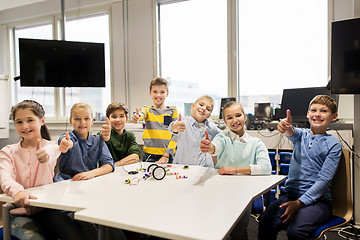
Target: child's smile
82, 122
320, 118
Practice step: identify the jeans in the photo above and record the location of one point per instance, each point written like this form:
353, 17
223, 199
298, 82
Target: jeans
46, 224
154, 158
302, 226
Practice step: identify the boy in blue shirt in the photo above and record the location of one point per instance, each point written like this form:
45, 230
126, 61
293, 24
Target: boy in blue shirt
190, 131
305, 205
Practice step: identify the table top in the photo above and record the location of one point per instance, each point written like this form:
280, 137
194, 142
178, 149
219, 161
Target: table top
204, 205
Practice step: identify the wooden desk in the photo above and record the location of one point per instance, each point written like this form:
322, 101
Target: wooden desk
205, 205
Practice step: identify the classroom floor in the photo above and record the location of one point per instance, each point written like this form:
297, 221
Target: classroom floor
331, 235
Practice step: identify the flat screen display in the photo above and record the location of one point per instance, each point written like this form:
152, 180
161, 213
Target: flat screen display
223, 102
298, 99
345, 57
53, 63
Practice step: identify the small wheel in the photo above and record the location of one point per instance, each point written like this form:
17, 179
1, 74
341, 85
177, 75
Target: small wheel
151, 167
159, 172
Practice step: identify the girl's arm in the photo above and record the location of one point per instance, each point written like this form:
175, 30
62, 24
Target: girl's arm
93, 173
225, 170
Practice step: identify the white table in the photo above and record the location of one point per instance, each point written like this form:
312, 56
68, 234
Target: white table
205, 205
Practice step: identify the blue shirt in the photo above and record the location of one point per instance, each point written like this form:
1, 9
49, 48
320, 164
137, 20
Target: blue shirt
313, 165
84, 156
188, 142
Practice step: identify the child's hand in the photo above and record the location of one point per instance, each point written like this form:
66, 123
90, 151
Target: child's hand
106, 130
135, 118
41, 153
205, 143
225, 170
83, 176
291, 208
286, 123
164, 159
66, 143
21, 199
179, 126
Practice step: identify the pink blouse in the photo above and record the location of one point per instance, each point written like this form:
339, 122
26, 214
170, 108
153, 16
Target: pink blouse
20, 168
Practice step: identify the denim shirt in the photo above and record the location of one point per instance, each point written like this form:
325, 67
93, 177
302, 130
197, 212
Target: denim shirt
85, 155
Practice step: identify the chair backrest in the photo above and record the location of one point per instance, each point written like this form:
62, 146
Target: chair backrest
341, 188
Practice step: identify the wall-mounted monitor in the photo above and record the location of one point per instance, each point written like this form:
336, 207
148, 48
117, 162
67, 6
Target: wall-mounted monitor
53, 63
223, 102
298, 99
345, 57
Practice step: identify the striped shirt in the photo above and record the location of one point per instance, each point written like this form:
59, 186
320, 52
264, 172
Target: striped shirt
157, 139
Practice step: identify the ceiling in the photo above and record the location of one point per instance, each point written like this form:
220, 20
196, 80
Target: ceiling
7, 4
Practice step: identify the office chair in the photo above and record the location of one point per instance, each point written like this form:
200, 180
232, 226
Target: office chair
342, 205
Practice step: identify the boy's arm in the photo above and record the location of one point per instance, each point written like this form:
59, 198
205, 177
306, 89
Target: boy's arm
324, 177
177, 126
106, 130
133, 151
138, 116
285, 125
206, 146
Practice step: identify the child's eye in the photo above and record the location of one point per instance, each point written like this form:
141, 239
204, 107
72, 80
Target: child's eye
18, 122
208, 109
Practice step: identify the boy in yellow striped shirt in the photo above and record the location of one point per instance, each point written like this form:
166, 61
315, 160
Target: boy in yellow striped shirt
159, 143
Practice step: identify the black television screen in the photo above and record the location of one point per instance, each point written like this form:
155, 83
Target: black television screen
53, 63
223, 102
298, 99
345, 57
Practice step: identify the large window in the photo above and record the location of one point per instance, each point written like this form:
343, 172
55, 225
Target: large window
282, 44
58, 101
193, 50
45, 96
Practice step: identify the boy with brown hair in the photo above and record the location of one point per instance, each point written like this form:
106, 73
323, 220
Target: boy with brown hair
159, 143
305, 205
121, 143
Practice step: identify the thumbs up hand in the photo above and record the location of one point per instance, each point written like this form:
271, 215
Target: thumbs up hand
286, 123
178, 126
135, 118
106, 130
41, 153
205, 144
66, 143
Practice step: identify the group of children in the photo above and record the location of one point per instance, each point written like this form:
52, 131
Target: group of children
170, 138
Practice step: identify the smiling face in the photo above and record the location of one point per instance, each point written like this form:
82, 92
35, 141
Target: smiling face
234, 118
28, 125
158, 93
81, 120
201, 109
118, 119
320, 118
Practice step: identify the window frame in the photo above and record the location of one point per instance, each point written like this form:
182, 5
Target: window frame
54, 20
